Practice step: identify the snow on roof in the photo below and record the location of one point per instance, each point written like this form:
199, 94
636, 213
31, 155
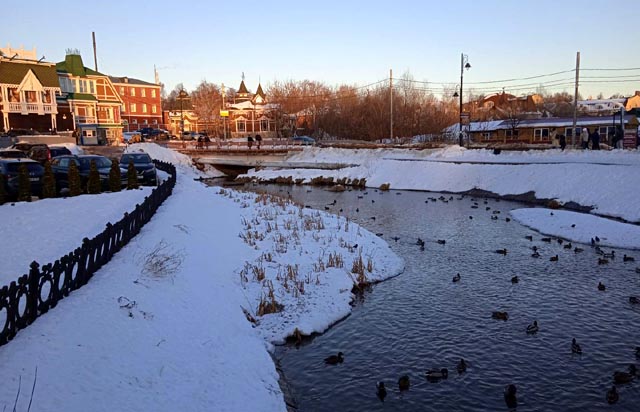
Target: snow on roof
476, 127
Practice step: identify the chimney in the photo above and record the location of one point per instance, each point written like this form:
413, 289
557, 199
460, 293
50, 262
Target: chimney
637, 92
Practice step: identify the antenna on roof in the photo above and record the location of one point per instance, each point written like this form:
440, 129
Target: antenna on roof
41, 59
242, 76
13, 57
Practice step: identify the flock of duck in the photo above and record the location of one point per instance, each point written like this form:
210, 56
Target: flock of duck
510, 390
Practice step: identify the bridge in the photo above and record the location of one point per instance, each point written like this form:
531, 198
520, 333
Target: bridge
234, 161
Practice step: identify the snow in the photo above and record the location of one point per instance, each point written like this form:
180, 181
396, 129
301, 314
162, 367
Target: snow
603, 180
143, 335
579, 227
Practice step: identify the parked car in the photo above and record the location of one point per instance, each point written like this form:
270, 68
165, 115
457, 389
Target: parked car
304, 140
20, 132
59, 151
146, 170
9, 169
151, 133
12, 154
40, 153
60, 166
191, 135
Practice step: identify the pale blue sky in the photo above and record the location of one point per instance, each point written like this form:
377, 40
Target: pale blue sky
353, 42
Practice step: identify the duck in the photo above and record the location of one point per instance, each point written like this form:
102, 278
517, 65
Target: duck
568, 246
381, 391
575, 347
612, 395
578, 249
357, 210
533, 328
602, 261
507, 219
379, 234
637, 351
593, 242
502, 251
404, 383
529, 237
494, 217
456, 278
515, 279
396, 238
441, 241
625, 377
487, 208
510, 396
553, 258
500, 315
435, 375
535, 254
470, 217
334, 359
546, 239
637, 270
534, 248
461, 367
573, 225
560, 241
597, 239
599, 251
634, 300
373, 218
626, 258
420, 242
601, 286
611, 255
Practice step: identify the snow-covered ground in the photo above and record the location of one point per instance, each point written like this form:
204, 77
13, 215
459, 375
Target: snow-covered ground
604, 180
166, 324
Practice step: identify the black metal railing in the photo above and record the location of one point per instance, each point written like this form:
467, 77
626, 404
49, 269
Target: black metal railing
34, 294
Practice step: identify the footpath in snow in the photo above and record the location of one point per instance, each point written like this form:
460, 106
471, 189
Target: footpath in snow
184, 316
605, 181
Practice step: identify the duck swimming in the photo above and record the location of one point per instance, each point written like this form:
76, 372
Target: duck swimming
578, 249
501, 251
568, 246
575, 347
441, 241
625, 377
515, 279
553, 258
601, 286
462, 366
637, 351
334, 359
634, 300
533, 328
510, 396
435, 375
602, 261
626, 258
612, 395
500, 315
535, 254
404, 383
381, 391
456, 278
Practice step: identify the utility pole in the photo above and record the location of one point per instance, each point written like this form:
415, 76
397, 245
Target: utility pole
575, 102
95, 54
224, 119
391, 104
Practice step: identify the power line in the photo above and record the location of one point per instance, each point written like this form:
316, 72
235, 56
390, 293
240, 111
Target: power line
616, 69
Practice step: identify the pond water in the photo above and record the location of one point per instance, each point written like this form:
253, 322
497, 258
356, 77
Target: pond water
421, 320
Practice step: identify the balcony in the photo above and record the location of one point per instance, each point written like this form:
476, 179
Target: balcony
86, 119
26, 108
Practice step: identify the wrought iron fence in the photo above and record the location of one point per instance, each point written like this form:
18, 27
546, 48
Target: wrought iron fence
35, 293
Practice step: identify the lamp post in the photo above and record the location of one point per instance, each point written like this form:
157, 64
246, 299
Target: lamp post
464, 64
182, 96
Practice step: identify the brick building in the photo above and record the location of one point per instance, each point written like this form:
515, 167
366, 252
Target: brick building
141, 103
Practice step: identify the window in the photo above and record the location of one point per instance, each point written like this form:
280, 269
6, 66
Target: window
540, 134
134, 121
124, 107
143, 92
241, 126
92, 88
30, 96
486, 135
133, 107
121, 90
14, 94
153, 93
264, 125
568, 131
154, 109
511, 134
145, 121
155, 121
133, 91
606, 132
83, 86
144, 108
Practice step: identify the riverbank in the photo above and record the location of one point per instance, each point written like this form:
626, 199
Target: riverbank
605, 182
185, 315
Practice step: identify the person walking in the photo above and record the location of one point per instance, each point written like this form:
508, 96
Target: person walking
563, 141
584, 135
249, 141
258, 141
595, 140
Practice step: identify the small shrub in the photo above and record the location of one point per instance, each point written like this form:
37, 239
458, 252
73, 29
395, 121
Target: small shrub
132, 177
94, 186
114, 176
24, 185
73, 177
385, 186
3, 190
553, 204
48, 182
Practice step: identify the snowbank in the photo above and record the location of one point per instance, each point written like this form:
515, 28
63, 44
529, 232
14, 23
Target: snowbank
580, 227
605, 181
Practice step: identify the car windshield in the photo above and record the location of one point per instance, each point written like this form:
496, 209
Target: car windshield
136, 158
31, 167
85, 162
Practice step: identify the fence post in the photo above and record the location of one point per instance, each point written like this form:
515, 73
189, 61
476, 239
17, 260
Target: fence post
32, 296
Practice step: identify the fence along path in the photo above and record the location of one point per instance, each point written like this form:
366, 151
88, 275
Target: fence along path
34, 294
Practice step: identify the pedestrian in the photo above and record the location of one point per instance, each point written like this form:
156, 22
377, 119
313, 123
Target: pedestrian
563, 141
595, 139
200, 142
206, 142
249, 141
258, 140
585, 138
618, 138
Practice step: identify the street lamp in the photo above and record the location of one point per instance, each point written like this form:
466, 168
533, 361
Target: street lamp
464, 64
182, 96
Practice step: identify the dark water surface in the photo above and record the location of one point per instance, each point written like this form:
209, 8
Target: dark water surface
421, 320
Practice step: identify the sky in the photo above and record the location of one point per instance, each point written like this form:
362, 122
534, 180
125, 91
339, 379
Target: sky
340, 42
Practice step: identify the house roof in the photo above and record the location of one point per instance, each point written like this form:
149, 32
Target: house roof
14, 72
129, 80
259, 92
81, 96
72, 64
243, 88
544, 122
